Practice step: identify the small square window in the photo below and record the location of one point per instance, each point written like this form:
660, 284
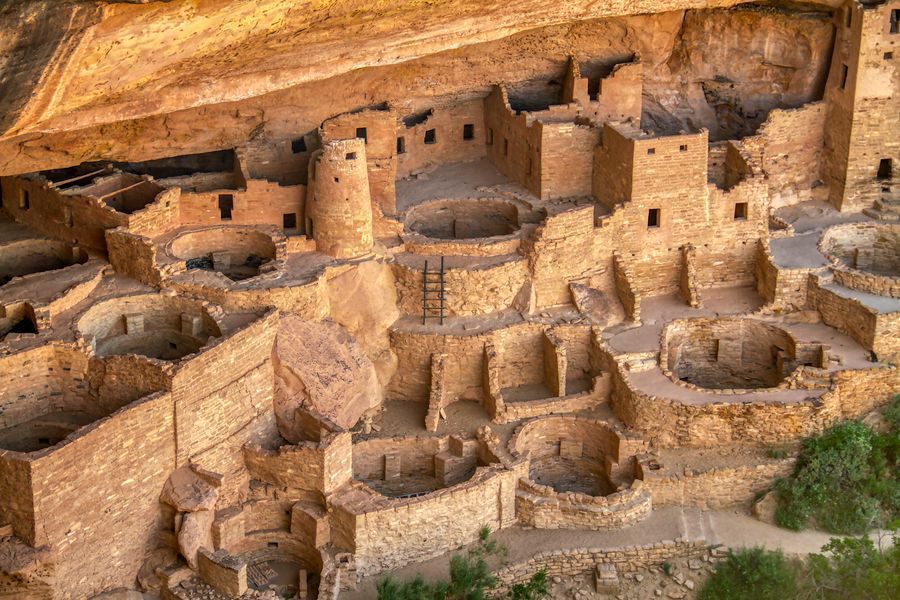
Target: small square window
888, 56
653, 217
337, 179
24, 200
298, 145
431, 136
740, 211
401, 145
651, 151
289, 220
844, 73
490, 136
350, 156
362, 133
173, 345
272, 544
468, 131
682, 148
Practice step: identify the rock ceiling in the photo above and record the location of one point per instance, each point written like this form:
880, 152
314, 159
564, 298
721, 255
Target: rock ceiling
84, 79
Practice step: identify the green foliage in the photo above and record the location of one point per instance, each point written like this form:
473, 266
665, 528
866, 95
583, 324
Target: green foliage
536, 588
777, 453
845, 479
891, 413
752, 574
854, 568
850, 568
667, 568
470, 578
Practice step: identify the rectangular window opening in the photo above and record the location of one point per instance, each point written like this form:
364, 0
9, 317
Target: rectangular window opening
226, 205
848, 20
298, 145
505, 147
529, 165
362, 133
350, 156
431, 136
885, 169
651, 150
24, 200
682, 148
895, 20
401, 145
468, 131
844, 73
289, 220
653, 217
490, 136
67, 215
740, 211
888, 56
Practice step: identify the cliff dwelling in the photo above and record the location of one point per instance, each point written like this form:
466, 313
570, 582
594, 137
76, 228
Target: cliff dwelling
295, 296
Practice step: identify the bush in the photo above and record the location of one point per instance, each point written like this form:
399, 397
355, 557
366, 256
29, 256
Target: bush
851, 568
845, 479
854, 568
470, 578
752, 574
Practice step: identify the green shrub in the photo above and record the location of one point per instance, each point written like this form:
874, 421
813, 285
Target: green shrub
845, 480
470, 578
853, 568
752, 574
536, 588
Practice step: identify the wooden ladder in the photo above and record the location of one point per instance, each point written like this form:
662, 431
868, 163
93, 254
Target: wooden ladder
433, 294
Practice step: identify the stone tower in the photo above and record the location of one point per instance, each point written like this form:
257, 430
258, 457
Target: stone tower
339, 205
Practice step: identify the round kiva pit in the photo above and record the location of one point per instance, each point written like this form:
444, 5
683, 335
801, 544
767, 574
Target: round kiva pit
236, 252
278, 563
463, 219
56, 393
732, 353
163, 327
414, 466
869, 247
25, 257
569, 454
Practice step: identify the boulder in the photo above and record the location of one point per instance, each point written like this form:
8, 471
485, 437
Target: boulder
195, 533
764, 508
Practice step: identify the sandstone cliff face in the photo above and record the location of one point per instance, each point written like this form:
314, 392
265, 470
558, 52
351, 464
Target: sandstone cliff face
83, 80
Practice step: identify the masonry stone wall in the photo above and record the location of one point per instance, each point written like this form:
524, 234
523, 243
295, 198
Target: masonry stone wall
450, 142
670, 423
788, 148
469, 289
710, 489
98, 507
577, 561
47, 212
339, 207
863, 105
400, 531
380, 128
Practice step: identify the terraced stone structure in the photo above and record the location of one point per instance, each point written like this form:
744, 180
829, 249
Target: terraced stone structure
283, 312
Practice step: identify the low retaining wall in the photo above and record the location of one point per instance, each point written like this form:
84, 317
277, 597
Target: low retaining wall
542, 507
576, 561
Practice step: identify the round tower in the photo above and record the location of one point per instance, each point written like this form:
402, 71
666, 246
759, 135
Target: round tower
338, 205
